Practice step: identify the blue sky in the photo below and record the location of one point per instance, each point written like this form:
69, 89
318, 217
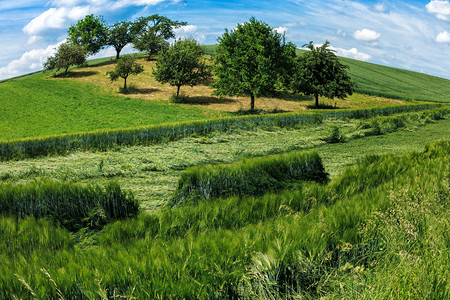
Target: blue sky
413, 34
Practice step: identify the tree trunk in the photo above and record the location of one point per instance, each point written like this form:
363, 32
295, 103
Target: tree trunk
317, 100
178, 90
117, 54
125, 84
67, 70
252, 101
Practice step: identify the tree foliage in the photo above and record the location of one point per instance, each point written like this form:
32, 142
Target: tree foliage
183, 63
126, 66
252, 60
90, 32
66, 55
152, 32
320, 73
119, 35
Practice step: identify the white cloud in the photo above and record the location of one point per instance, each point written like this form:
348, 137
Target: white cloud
281, 29
366, 35
190, 31
33, 39
340, 32
30, 61
440, 8
443, 37
56, 18
352, 53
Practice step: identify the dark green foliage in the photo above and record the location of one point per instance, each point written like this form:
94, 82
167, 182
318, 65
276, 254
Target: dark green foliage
183, 63
119, 35
66, 55
144, 135
320, 73
73, 206
90, 32
254, 176
125, 67
152, 32
251, 60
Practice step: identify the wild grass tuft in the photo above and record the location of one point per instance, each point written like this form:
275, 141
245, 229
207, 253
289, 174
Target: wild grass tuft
252, 176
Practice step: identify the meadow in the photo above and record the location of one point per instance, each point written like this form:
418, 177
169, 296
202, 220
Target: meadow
106, 195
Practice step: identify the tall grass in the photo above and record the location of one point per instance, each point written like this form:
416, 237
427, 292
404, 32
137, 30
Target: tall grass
382, 234
101, 140
72, 205
252, 176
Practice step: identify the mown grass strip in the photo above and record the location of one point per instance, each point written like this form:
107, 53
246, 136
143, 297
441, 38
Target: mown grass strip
252, 176
102, 140
72, 205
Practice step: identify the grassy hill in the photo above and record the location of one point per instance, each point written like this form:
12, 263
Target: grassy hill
36, 104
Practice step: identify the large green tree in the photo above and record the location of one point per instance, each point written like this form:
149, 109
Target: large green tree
90, 32
119, 35
252, 60
126, 66
152, 32
66, 55
183, 63
319, 72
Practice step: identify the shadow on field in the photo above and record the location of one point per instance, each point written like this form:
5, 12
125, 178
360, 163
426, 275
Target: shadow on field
322, 106
205, 100
81, 74
135, 90
105, 63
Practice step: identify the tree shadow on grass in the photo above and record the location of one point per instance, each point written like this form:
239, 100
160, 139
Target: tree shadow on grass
246, 112
104, 63
81, 74
134, 90
322, 106
205, 100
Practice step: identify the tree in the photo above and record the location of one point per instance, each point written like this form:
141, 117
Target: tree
90, 32
320, 73
66, 55
251, 60
119, 35
125, 67
152, 32
183, 63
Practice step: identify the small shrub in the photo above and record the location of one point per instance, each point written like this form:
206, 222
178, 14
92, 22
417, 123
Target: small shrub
335, 136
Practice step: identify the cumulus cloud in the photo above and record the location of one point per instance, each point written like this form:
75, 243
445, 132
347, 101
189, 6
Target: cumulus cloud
281, 29
190, 31
443, 37
352, 53
440, 8
56, 18
366, 35
30, 61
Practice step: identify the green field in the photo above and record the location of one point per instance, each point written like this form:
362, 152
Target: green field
388, 215
105, 196
37, 105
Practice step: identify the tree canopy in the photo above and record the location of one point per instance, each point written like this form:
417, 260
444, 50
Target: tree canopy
119, 35
66, 55
251, 60
90, 32
183, 63
319, 72
126, 66
152, 32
